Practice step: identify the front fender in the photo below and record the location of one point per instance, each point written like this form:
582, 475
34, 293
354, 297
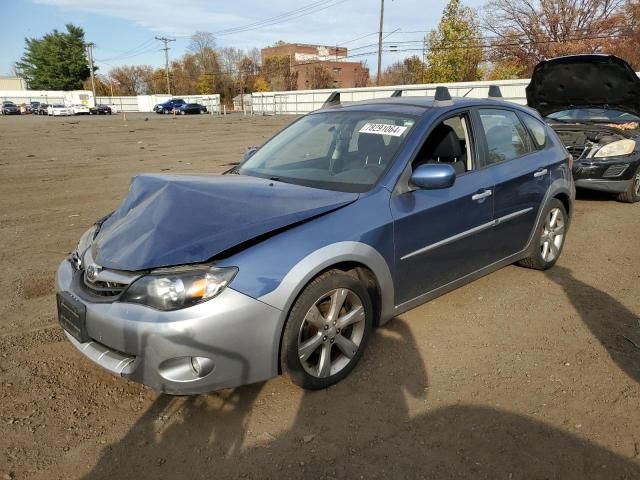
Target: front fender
314, 263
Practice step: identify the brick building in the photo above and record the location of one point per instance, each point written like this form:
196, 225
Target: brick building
304, 57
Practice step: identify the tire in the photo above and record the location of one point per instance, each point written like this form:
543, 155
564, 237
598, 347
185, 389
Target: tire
313, 327
549, 238
632, 195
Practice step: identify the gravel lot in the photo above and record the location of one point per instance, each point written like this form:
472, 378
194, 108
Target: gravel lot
519, 375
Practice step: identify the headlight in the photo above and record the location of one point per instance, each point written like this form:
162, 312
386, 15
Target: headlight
171, 289
614, 149
85, 240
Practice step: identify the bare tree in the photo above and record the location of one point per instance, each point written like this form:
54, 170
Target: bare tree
527, 31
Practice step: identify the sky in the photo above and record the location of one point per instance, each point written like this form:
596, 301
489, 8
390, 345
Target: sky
124, 30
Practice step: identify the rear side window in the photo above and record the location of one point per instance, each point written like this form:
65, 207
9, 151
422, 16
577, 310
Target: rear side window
537, 129
506, 136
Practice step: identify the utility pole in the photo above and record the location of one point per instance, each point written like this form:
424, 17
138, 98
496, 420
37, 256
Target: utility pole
90, 46
166, 59
380, 42
424, 58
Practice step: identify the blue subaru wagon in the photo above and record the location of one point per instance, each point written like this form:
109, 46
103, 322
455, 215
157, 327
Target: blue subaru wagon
348, 217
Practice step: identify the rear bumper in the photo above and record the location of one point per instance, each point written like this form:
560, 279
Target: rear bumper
237, 334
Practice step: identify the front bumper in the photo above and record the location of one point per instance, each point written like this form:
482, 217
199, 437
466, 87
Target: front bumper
238, 334
607, 175
612, 186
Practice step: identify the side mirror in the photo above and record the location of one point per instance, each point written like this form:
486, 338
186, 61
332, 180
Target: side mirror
433, 175
249, 153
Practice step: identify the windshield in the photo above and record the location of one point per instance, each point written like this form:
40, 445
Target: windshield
598, 115
344, 151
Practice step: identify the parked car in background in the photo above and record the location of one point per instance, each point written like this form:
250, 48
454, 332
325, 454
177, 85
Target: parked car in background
101, 110
25, 108
192, 108
80, 110
34, 107
350, 216
59, 110
169, 106
9, 108
42, 109
593, 104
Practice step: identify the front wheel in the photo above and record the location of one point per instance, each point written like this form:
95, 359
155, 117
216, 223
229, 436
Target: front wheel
327, 330
632, 194
549, 237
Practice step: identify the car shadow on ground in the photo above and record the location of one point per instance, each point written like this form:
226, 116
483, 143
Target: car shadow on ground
361, 428
615, 326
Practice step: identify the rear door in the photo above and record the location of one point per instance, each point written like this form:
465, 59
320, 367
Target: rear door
520, 175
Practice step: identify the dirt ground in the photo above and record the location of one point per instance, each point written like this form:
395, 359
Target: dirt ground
519, 375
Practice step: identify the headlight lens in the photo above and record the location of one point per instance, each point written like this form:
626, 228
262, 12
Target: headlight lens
85, 240
614, 149
171, 289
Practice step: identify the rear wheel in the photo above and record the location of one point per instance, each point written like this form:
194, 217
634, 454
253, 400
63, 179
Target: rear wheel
632, 195
549, 238
327, 330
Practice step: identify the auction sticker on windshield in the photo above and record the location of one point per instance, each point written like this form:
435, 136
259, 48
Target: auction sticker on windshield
383, 129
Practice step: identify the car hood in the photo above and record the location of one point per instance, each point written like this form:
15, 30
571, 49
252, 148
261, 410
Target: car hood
584, 80
168, 220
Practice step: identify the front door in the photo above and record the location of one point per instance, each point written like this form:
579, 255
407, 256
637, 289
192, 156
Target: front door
443, 235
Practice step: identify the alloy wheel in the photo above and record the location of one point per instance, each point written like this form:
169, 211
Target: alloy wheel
331, 333
552, 235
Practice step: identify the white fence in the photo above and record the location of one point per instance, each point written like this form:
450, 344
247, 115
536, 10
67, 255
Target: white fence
304, 101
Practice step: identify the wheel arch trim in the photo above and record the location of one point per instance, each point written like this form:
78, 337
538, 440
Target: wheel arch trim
324, 258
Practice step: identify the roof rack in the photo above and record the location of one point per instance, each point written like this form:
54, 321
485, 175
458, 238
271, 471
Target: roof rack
494, 91
442, 98
334, 99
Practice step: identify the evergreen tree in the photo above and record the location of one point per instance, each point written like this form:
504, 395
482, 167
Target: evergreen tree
56, 61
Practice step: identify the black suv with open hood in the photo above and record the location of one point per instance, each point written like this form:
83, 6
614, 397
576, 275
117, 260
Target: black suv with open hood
593, 104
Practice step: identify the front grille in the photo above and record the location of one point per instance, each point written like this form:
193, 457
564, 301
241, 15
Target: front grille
615, 171
577, 151
103, 289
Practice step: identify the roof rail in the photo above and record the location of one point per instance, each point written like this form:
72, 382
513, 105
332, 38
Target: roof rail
494, 91
334, 99
397, 93
442, 98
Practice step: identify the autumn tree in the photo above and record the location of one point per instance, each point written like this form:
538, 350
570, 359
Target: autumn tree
278, 72
319, 76
454, 49
528, 31
409, 71
57, 61
132, 79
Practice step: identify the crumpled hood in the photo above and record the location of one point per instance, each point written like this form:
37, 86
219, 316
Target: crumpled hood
584, 80
168, 220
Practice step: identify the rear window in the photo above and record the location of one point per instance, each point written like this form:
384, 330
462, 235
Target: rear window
506, 137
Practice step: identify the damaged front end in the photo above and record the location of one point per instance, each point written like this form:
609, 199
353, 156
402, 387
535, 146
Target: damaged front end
604, 157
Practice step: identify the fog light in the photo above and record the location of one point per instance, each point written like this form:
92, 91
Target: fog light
202, 366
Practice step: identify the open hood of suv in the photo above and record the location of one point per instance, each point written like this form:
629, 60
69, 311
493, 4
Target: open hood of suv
169, 220
584, 80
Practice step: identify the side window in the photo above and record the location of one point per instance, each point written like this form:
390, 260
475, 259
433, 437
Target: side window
537, 129
506, 136
449, 142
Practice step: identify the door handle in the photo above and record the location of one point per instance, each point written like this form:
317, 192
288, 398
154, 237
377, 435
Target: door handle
540, 173
481, 195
